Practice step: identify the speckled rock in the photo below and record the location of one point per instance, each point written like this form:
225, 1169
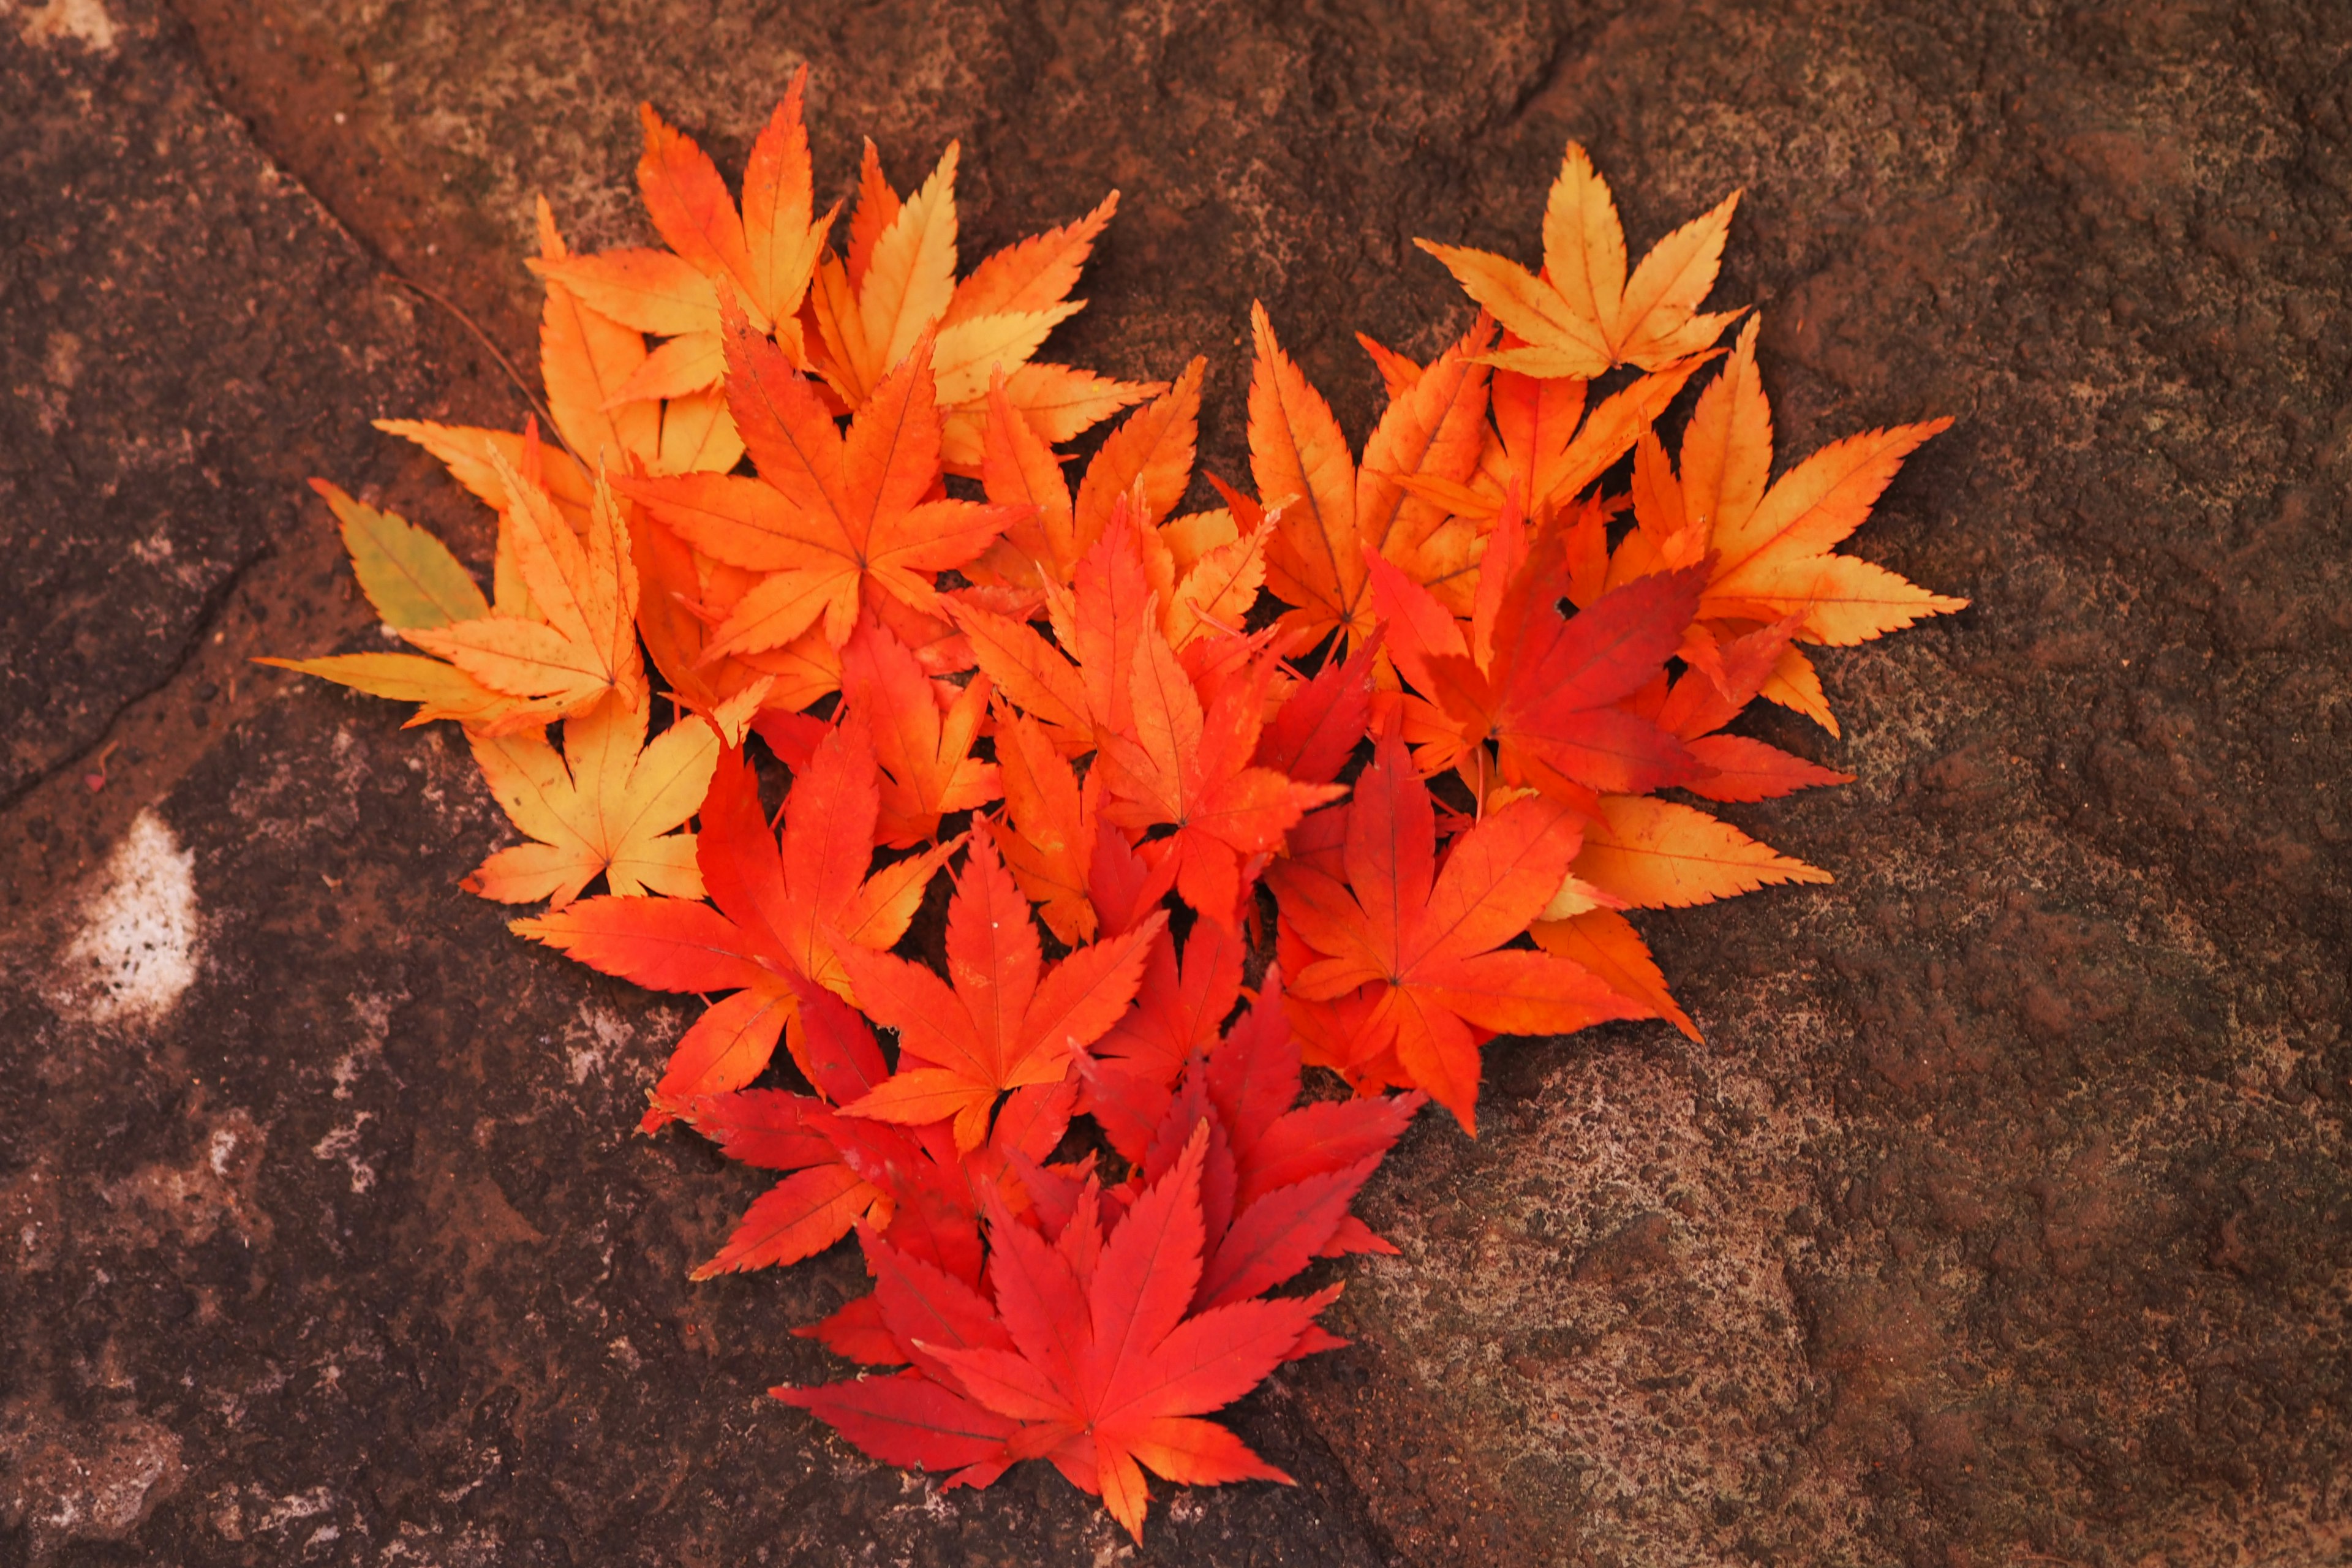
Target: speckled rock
2004, 1215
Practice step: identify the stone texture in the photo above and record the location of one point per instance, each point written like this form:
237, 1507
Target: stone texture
2002, 1217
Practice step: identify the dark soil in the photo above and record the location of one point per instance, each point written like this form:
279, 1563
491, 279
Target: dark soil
2003, 1217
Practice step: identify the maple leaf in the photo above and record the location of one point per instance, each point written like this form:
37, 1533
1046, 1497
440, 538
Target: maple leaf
1178, 1010
1702, 700
1660, 853
908, 1181
586, 360
759, 259
1187, 764
829, 521
1772, 543
559, 639
1146, 462
606, 806
1422, 943
595, 369
1049, 827
1314, 733
1204, 571
927, 766
408, 575
580, 642
683, 594
1605, 942
1544, 688
465, 451
1544, 447
1278, 1177
1274, 1188
997, 1023
1106, 1372
413, 582
896, 284
821, 1196
1434, 437
1327, 511
1583, 316
786, 906
1083, 689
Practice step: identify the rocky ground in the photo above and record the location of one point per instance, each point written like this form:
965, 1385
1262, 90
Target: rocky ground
2004, 1216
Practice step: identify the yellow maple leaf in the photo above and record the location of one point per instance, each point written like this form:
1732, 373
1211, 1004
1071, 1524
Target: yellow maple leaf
579, 644
1583, 315
896, 281
606, 805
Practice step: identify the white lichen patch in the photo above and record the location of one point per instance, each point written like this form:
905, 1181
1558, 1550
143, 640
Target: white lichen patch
84, 21
340, 1144
135, 952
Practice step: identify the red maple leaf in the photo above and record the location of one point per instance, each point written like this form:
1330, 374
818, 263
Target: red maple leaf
1108, 1373
908, 1180
1186, 764
785, 907
1416, 944
1278, 1177
1003, 1024
1545, 688
1178, 1010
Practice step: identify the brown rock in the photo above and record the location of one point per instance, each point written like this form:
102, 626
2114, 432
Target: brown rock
2054, 1077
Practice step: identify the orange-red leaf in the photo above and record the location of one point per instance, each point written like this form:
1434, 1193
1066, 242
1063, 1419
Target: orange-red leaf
1420, 942
997, 1023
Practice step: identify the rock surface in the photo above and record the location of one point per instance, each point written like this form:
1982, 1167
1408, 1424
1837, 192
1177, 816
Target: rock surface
2004, 1216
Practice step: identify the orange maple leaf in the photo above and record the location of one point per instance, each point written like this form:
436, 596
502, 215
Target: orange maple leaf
1660, 853
1082, 689
928, 768
1772, 543
1605, 942
559, 638
829, 521
758, 258
896, 284
579, 642
1049, 825
1189, 764
1147, 461
1327, 512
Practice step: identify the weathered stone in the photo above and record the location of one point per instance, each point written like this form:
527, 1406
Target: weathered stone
2003, 1215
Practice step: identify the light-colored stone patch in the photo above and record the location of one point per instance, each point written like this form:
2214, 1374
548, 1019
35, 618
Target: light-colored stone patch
609, 1038
78, 1483
341, 1145
1620, 1326
135, 952
84, 21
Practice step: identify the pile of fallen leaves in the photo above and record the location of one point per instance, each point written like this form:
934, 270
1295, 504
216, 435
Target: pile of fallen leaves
1355, 773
